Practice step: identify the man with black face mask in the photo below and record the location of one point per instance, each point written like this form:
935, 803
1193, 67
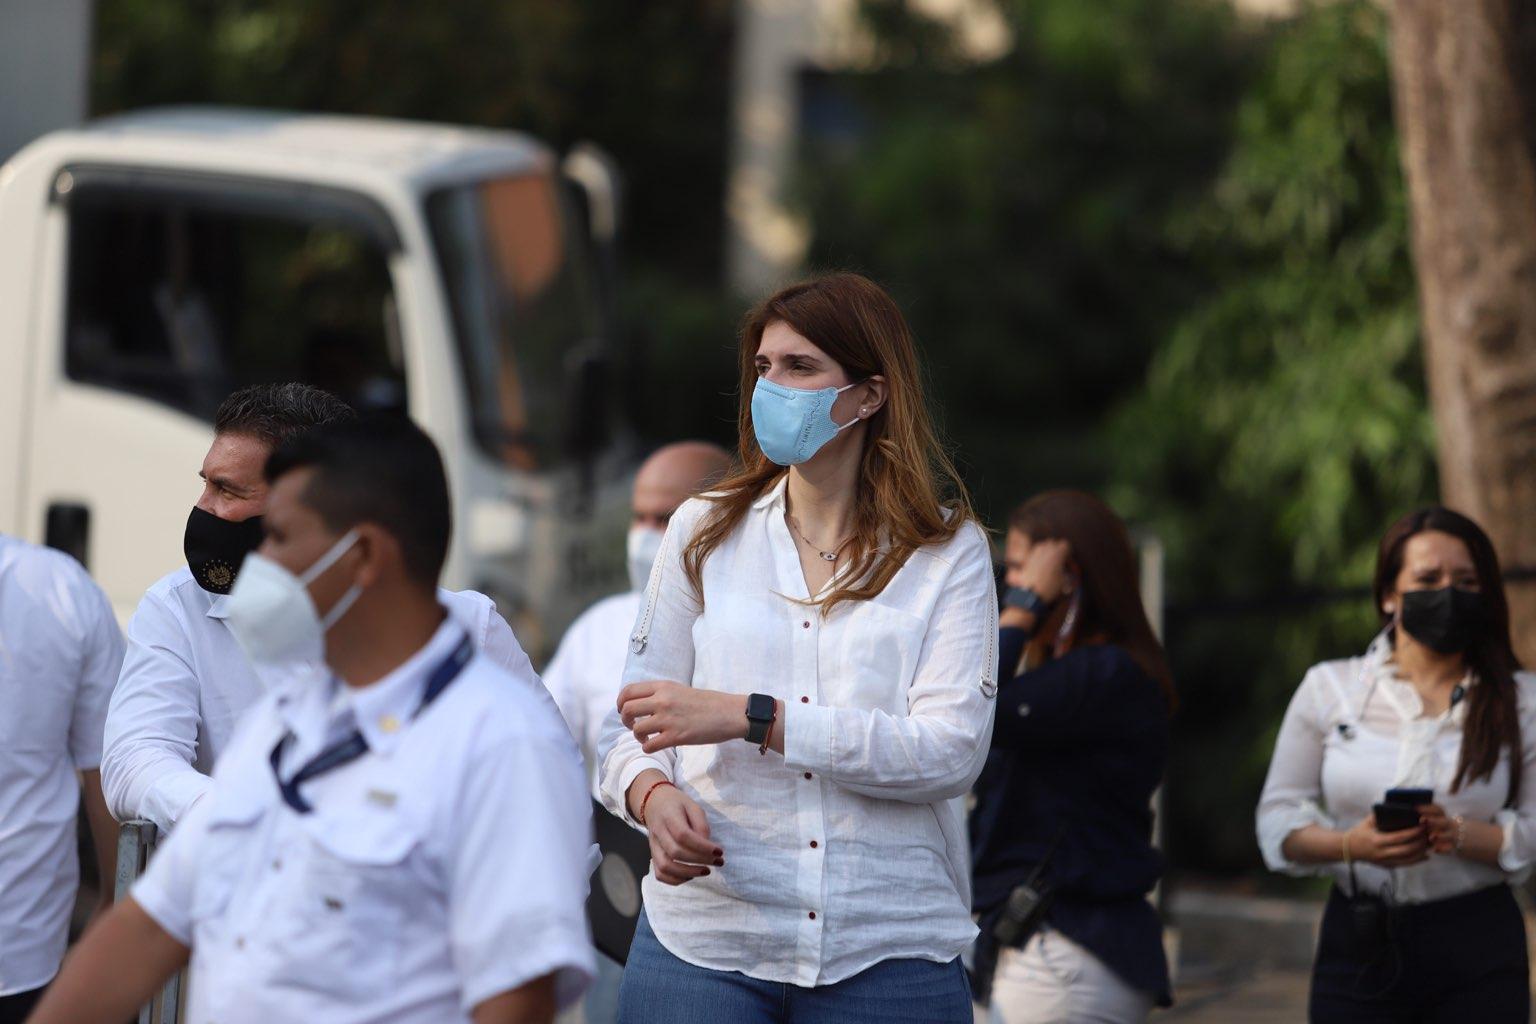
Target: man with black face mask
185, 681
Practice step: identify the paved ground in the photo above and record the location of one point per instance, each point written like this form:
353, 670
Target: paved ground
1263, 996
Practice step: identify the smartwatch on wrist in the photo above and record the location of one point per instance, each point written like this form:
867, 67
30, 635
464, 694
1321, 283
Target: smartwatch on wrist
760, 715
1027, 599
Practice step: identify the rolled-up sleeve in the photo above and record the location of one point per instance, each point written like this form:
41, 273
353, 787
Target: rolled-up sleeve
1517, 852
516, 908
660, 647
151, 730
1292, 796
936, 750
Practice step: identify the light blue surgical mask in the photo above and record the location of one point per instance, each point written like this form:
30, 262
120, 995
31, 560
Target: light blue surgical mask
792, 424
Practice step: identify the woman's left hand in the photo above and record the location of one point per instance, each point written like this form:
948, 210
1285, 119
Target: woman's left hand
1442, 829
664, 714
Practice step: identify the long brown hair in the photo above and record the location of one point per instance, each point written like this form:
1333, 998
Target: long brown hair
909, 494
1493, 720
1110, 608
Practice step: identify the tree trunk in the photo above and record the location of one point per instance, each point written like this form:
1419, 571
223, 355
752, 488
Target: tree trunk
1464, 74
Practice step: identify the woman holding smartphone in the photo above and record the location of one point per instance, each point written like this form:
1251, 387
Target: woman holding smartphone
1063, 815
809, 689
1421, 924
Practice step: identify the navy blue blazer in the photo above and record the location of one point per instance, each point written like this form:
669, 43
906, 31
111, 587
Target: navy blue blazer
1078, 748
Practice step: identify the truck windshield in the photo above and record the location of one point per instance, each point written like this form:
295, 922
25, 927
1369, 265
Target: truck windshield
183, 289
523, 309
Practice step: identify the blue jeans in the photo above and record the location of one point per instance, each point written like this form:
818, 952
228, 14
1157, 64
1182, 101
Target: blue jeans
660, 988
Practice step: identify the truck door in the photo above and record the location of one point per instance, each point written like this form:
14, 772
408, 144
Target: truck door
176, 289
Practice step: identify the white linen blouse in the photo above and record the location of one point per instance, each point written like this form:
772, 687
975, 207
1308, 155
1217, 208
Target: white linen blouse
850, 848
1355, 729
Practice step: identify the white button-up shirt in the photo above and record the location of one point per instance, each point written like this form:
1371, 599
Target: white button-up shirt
446, 865
60, 649
1355, 729
850, 848
186, 682
585, 674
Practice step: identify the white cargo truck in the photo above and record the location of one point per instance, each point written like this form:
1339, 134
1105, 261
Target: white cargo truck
153, 262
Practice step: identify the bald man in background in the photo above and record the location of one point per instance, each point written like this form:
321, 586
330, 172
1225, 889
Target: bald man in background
585, 672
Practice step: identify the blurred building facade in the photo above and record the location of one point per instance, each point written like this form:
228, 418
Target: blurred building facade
45, 53
779, 43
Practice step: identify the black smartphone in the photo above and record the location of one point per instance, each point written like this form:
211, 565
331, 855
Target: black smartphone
1409, 797
1395, 817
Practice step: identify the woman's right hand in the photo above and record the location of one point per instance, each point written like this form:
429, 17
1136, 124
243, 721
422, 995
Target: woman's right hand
681, 849
1387, 849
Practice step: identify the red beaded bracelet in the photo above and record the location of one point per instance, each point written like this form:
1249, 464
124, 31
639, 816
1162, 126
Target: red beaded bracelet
647, 799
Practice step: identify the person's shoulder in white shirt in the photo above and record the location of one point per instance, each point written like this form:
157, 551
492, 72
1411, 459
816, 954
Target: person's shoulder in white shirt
62, 649
587, 670
494, 640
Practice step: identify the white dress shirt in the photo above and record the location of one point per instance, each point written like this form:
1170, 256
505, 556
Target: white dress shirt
586, 673
60, 649
186, 682
446, 865
850, 848
1356, 729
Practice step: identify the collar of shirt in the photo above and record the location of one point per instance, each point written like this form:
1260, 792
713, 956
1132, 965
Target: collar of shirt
773, 496
786, 550
218, 605
1403, 696
382, 710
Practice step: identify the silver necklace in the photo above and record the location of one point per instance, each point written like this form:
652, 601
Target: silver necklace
828, 556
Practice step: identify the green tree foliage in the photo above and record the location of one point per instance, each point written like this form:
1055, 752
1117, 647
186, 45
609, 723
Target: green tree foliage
1019, 210
1284, 422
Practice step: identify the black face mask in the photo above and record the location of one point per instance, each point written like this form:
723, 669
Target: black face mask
1447, 620
216, 548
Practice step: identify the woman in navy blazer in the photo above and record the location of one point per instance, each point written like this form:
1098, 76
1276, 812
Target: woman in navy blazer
1078, 749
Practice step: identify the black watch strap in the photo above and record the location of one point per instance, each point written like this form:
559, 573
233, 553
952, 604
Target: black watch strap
761, 710
1028, 599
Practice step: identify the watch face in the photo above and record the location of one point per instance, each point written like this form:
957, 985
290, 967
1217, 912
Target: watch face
760, 707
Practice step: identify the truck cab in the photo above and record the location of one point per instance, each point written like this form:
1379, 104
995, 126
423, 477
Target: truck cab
152, 263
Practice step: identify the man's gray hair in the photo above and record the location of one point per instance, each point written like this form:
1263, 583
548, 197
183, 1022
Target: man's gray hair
275, 412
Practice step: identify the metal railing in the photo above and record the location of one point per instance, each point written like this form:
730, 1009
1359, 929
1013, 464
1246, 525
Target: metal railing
135, 845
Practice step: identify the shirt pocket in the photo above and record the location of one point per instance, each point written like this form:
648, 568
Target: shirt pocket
869, 658
235, 834
354, 899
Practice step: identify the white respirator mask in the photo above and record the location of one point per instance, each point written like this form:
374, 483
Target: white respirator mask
641, 548
272, 615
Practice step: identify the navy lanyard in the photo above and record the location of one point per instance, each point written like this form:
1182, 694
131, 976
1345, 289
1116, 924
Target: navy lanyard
354, 746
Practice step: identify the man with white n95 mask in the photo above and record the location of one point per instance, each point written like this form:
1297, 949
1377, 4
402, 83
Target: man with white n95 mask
185, 683
401, 837
584, 675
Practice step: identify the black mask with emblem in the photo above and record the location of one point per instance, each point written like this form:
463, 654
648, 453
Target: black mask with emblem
216, 548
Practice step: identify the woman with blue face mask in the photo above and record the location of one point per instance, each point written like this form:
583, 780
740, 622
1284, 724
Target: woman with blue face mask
809, 693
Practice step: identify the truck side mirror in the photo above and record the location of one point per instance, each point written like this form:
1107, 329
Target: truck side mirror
587, 401
67, 528
596, 176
